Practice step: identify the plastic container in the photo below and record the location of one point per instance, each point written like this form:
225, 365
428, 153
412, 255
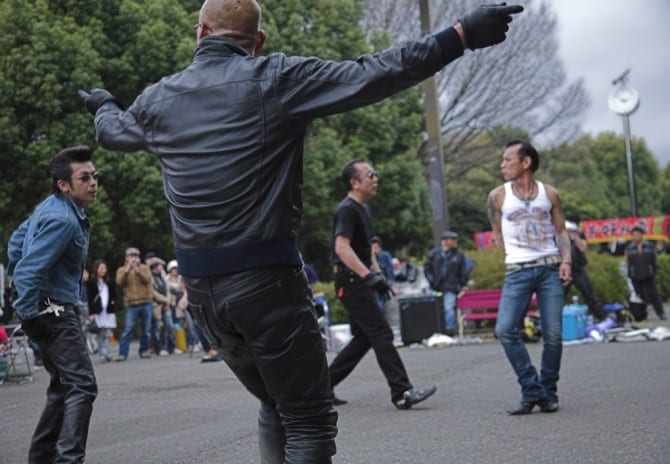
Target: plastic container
180, 340
340, 335
574, 322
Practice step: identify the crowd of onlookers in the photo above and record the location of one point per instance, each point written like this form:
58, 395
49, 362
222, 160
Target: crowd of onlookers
154, 298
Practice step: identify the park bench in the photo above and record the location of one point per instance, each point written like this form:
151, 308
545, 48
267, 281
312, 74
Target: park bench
481, 305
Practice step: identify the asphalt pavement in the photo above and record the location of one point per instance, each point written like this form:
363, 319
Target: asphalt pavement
614, 408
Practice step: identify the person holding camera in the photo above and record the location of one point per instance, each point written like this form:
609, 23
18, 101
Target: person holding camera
135, 281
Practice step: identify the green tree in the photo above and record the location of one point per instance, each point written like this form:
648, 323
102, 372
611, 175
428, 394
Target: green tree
52, 48
608, 153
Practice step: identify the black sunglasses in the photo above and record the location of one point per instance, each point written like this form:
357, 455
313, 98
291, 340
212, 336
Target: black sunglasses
372, 175
86, 177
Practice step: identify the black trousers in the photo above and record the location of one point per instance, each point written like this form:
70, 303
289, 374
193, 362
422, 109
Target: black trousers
369, 329
581, 280
262, 322
646, 289
62, 431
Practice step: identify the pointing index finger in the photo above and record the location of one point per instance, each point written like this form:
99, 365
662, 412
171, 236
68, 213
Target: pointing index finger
507, 10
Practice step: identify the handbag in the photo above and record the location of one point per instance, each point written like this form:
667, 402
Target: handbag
93, 327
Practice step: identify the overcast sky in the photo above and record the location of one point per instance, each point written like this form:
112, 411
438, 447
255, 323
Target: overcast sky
599, 40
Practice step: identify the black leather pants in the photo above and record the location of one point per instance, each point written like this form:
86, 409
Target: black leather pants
262, 322
369, 329
61, 433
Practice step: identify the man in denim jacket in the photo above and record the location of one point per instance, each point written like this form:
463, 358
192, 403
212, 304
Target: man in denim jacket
47, 254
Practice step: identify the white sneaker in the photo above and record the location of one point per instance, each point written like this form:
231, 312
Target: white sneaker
177, 351
163, 353
197, 348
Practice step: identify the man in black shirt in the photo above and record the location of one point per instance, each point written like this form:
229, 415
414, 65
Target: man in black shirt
579, 276
357, 281
641, 261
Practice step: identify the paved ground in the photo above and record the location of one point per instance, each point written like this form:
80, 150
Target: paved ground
614, 409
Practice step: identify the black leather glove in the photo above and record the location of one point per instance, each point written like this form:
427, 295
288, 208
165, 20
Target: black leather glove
96, 99
377, 282
34, 328
488, 24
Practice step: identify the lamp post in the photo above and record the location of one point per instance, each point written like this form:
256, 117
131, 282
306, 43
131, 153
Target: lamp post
432, 148
623, 101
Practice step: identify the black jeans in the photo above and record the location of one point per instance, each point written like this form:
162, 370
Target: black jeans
647, 291
62, 431
369, 329
581, 280
263, 324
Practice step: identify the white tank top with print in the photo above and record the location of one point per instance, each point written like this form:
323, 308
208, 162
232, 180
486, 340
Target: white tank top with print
527, 229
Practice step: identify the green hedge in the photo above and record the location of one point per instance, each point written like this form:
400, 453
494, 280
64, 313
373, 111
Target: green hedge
338, 315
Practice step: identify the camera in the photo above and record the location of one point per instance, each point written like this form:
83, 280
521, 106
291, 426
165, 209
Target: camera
135, 262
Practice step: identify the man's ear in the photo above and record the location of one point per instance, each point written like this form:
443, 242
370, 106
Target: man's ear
63, 186
260, 41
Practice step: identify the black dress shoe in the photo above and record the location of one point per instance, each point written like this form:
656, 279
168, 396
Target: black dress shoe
338, 401
414, 396
548, 406
522, 410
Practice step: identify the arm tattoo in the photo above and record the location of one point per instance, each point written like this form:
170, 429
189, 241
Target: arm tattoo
493, 210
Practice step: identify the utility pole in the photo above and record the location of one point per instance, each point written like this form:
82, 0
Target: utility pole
432, 148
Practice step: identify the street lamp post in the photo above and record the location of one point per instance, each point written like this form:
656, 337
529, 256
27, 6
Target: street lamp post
432, 148
623, 101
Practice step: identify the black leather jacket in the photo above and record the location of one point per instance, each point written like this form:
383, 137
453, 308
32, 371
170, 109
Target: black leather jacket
456, 276
641, 262
228, 132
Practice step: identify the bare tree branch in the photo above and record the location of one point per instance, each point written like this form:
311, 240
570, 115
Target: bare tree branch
519, 83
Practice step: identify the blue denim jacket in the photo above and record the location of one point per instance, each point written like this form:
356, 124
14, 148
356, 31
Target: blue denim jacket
47, 254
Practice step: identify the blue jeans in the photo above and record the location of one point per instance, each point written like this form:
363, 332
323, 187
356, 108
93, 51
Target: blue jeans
166, 318
516, 294
143, 313
449, 299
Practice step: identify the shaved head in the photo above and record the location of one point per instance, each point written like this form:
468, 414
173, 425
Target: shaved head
239, 20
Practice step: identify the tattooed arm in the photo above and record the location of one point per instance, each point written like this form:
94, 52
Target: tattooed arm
562, 236
493, 204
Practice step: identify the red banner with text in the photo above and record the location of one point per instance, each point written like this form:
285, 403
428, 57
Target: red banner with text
605, 230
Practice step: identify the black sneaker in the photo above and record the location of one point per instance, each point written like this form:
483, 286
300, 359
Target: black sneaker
414, 396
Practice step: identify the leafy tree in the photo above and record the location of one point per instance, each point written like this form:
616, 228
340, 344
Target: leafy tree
608, 153
385, 134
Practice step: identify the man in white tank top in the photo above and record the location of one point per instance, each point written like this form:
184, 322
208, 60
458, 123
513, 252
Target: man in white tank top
529, 226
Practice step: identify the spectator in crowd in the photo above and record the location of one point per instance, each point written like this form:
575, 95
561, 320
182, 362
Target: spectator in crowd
357, 282
579, 276
135, 281
235, 223
529, 227
82, 304
384, 259
312, 276
102, 306
446, 271
179, 304
641, 261
162, 313
46, 256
